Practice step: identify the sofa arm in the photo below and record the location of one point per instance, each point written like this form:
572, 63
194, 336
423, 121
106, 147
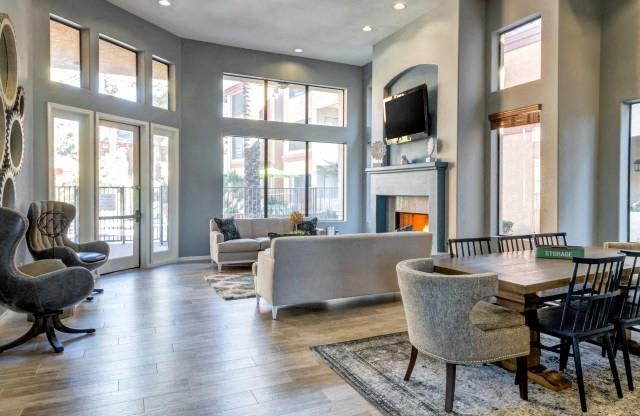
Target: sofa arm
266, 275
215, 238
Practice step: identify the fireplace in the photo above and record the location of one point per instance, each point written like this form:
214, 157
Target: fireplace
418, 222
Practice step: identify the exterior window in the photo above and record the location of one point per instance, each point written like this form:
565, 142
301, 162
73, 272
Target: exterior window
243, 187
66, 165
286, 102
243, 97
118, 68
160, 84
286, 191
520, 52
326, 180
634, 174
519, 179
326, 106
64, 50
289, 188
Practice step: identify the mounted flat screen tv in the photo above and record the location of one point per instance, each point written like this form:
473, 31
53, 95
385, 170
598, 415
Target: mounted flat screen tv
406, 116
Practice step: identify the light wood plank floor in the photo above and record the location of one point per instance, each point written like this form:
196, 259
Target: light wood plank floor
166, 344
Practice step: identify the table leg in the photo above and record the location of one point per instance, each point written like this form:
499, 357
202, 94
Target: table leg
538, 373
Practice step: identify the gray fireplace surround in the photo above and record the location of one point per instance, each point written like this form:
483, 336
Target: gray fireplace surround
413, 180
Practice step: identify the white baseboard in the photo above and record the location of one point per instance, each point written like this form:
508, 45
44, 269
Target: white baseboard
190, 259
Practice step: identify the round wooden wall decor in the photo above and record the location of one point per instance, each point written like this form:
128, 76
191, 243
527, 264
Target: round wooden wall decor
3, 137
8, 61
15, 137
8, 191
19, 104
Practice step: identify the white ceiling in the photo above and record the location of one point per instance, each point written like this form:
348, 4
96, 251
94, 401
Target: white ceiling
326, 29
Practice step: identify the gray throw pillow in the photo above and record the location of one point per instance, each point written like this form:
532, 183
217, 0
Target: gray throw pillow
228, 228
309, 227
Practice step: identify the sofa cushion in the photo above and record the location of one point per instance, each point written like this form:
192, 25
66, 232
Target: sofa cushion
91, 257
238, 245
265, 242
228, 228
488, 317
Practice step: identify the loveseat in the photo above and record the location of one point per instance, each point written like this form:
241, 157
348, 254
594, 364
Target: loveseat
254, 237
312, 269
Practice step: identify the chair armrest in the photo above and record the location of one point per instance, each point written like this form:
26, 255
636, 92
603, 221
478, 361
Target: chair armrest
265, 278
96, 247
62, 253
63, 288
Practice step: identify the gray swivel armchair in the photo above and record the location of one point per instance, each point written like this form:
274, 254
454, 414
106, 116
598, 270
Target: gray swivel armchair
449, 321
44, 295
47, 238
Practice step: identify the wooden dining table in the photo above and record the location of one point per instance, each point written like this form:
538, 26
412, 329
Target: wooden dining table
521, 276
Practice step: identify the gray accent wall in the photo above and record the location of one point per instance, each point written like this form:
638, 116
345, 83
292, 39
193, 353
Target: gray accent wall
204, 127
199, 68
619, 82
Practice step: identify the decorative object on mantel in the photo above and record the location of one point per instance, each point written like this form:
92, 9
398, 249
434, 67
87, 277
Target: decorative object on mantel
12, 114
432, 149
296, 217
405, 160
378, 152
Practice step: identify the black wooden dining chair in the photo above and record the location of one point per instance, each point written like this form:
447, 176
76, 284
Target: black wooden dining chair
628, 316
509, 243
461, 247
550, 239
584, 315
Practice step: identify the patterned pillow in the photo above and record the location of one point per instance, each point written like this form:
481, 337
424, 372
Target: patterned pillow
309, 226
228, 228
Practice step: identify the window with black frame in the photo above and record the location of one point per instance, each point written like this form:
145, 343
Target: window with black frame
300, 176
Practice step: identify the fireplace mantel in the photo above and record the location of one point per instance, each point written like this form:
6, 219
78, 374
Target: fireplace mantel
416, 179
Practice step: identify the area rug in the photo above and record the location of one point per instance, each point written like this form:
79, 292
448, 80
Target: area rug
376, 366
232, 286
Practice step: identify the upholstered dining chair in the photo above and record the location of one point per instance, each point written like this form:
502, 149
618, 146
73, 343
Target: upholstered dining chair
47, 237
448, 320
44, 295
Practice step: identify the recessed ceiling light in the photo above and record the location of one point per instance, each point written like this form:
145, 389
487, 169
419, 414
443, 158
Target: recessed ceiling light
399, 6
298, 50
164, 3
367, 28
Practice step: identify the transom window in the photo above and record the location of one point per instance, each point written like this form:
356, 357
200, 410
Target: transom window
309, 179
260, 99
64, 53
520, 54
160, 84
118, 67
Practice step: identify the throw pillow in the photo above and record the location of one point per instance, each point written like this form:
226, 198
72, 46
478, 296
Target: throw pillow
309, 226
228, 228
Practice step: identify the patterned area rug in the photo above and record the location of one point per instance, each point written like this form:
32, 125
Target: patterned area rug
232, 286
376, 366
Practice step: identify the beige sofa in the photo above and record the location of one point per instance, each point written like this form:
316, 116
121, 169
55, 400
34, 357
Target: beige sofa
253, 239
311, 269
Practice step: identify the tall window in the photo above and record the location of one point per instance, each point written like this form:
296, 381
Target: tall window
519, 179
300, 176
286, 102
160, 88
160, 196
634, 174
118, 67
520, 54
64, 53
243, 97
66, 165
326, 106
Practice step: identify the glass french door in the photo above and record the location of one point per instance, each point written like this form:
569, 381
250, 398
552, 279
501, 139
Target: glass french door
117, 205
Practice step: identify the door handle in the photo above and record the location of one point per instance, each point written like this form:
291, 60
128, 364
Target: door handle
138, 215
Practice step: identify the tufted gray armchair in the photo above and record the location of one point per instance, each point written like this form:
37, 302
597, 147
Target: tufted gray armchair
57, 245
42, 289
449, 320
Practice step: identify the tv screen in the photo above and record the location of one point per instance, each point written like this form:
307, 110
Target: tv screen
406, 116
